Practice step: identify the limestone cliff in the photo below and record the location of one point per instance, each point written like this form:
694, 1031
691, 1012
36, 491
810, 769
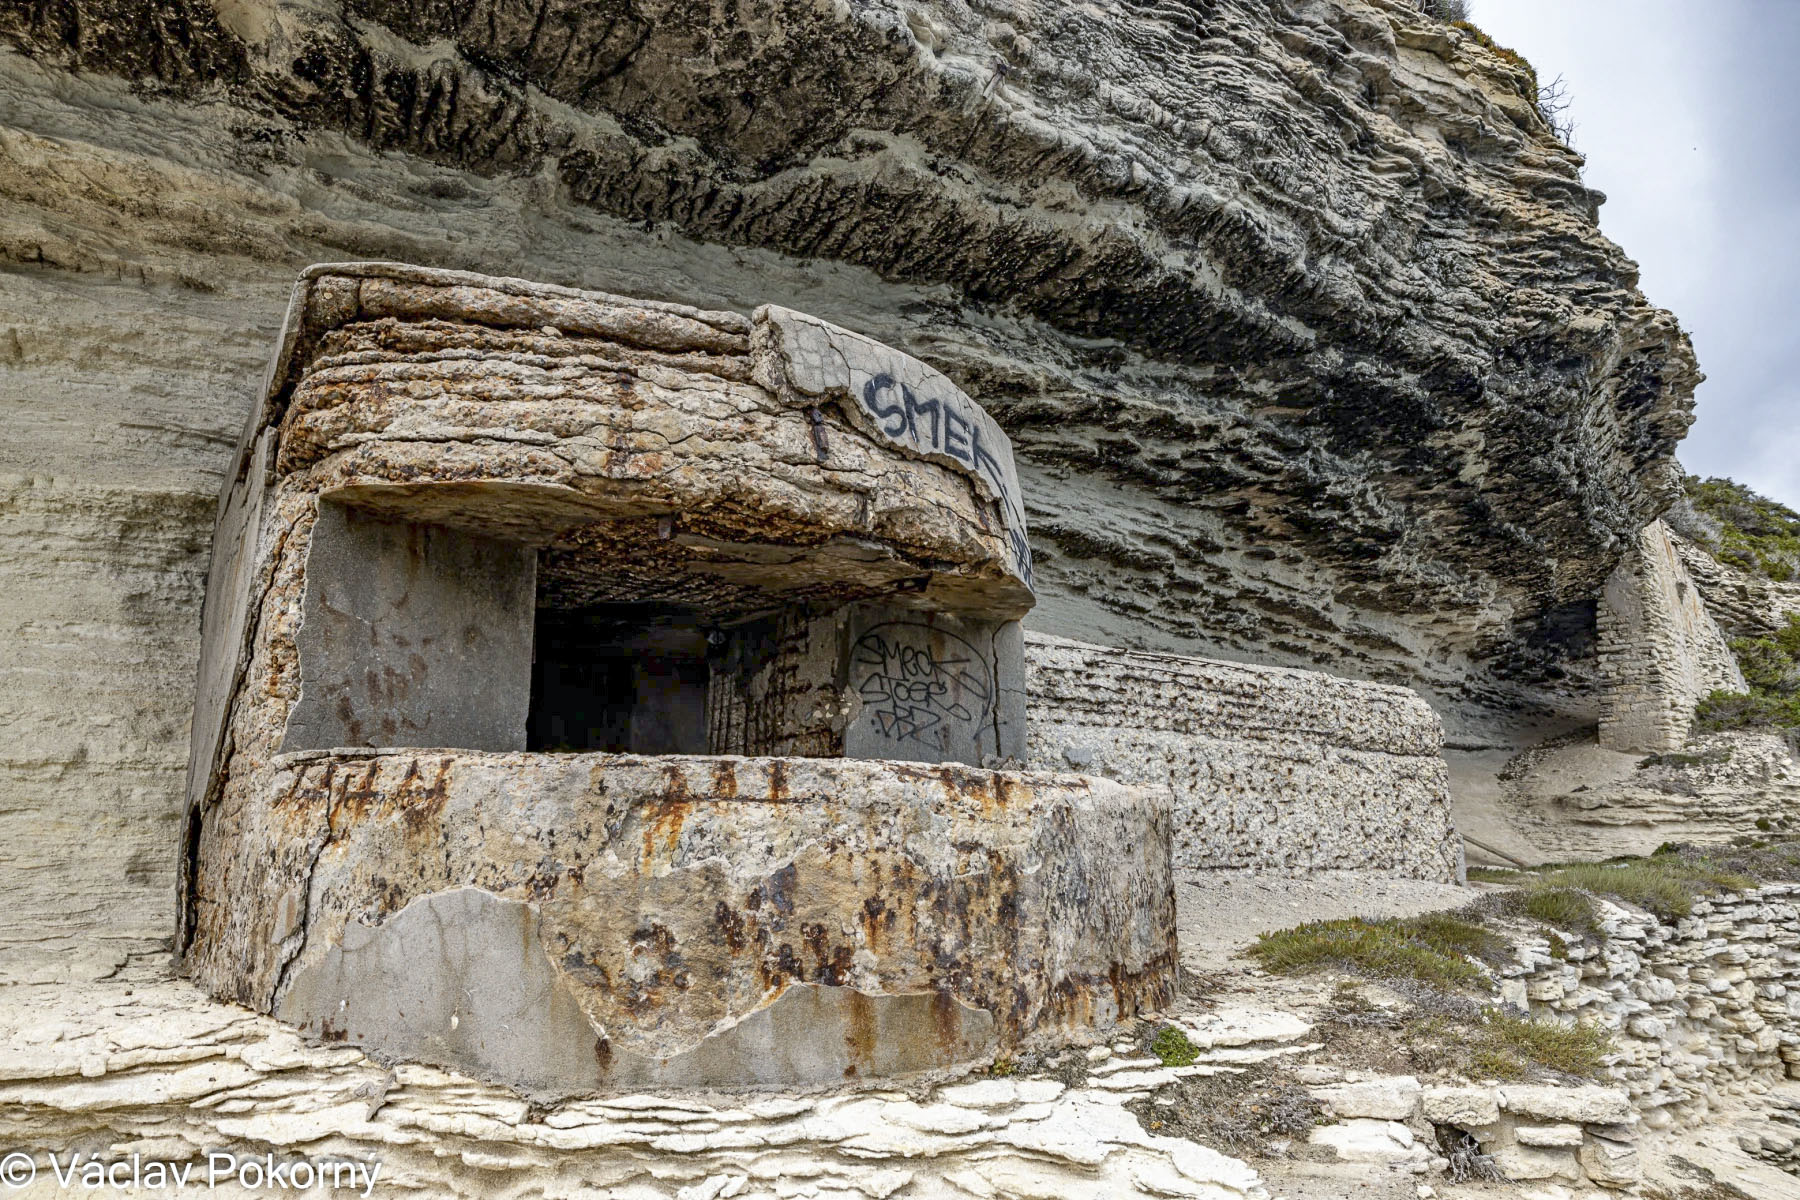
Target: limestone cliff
1298, 315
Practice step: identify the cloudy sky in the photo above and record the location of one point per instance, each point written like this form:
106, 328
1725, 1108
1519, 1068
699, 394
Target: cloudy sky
1689, 117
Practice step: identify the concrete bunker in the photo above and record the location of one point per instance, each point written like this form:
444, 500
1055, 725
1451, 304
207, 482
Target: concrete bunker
677, 651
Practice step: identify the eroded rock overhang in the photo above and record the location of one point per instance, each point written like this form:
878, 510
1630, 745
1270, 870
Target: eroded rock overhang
1299, 315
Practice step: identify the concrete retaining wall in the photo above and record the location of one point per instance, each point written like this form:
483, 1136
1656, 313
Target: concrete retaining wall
566, 922
1270, 767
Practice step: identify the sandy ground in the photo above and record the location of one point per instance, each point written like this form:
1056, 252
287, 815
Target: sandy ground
1223, 911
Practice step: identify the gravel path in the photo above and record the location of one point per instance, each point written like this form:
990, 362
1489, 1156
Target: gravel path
1221, 912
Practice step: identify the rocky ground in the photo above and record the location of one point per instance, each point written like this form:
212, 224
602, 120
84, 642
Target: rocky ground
137, 1062
1564, 798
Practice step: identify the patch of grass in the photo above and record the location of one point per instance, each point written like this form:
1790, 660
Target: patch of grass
1434, 948
1511, 1047
1562, 906
1174, 1047
1664, 884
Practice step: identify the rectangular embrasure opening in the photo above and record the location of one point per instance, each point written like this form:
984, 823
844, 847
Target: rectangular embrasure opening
627, 679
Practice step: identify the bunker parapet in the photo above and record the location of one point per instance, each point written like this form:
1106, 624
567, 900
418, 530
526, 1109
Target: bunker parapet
603, 693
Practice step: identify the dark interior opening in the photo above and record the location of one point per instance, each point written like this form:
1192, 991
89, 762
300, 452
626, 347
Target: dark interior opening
629, 679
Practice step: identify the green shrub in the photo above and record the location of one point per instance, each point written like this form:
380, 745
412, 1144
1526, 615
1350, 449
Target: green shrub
1756, 534
1174, 1047
1562, 906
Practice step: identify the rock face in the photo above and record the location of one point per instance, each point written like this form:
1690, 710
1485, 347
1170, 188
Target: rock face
1660, 649
1268, 767
1701, 1007
1297, 316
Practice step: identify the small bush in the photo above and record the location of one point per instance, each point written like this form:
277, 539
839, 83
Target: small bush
1509, 1047
1447, 11
1755, 534
1434, 948
1174, 1047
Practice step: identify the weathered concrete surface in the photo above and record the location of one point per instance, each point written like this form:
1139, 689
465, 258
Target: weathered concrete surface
627, 437
674, 899
410, 635
897, 399
1660, 649
934, 687
459, 978
1268, 767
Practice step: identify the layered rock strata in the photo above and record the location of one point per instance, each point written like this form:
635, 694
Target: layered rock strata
1744, 605
1268, 767
1299, 314
1701, 1007
149, 1066
1574, 800
1578, 1134
1660, 650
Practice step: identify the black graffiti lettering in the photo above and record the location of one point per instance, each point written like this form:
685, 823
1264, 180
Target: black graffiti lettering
911, 692
985, 462
1021, 552
956, 435
871, 398
916, 407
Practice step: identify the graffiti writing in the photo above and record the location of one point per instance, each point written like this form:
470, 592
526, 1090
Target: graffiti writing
943, 425
921, 684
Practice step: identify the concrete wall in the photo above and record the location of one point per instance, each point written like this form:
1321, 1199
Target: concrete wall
412, 635
1660, 650
562, 922
1270, 767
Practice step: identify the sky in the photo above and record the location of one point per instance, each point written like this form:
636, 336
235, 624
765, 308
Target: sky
1689, 116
